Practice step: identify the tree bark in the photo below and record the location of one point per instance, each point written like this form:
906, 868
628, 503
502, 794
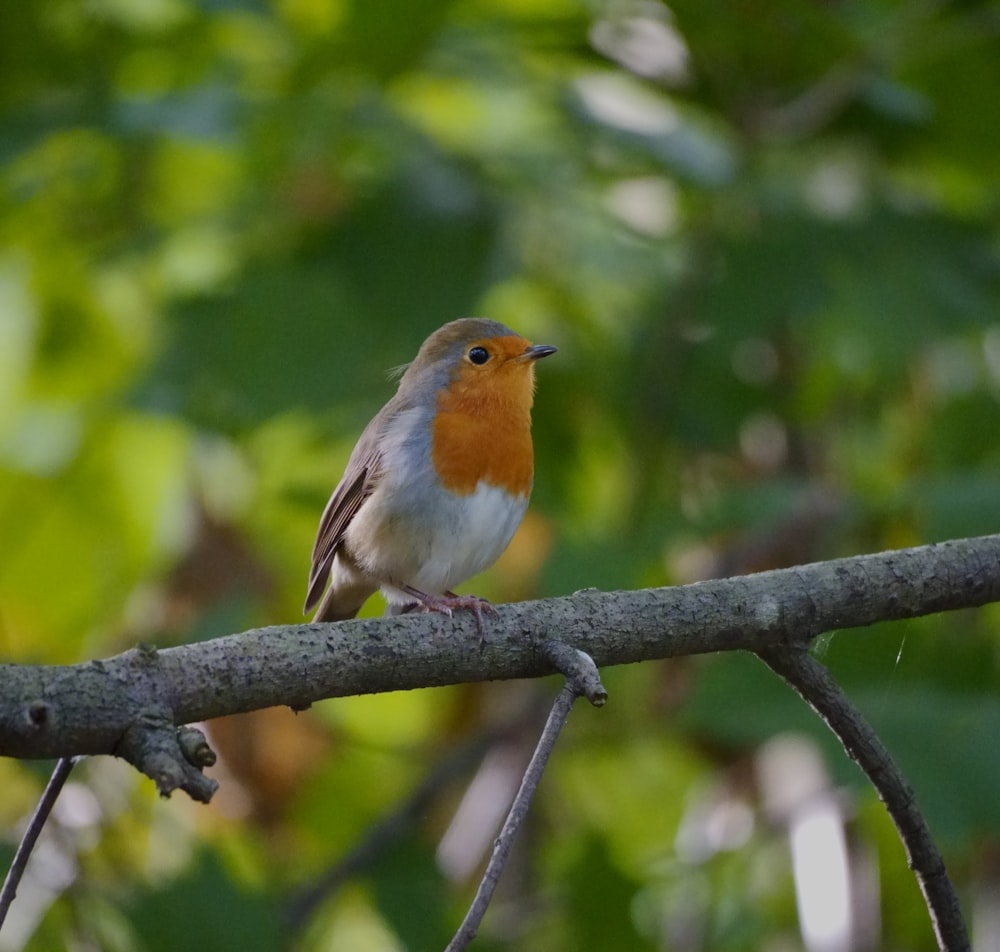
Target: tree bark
97, 707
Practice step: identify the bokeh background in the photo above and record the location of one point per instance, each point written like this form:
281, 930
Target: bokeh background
763, 235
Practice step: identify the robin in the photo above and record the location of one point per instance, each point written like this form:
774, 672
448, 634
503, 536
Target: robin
438, 481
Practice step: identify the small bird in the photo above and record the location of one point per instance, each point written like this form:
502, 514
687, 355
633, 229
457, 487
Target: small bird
438, 481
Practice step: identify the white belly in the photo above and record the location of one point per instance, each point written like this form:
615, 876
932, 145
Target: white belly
433, 547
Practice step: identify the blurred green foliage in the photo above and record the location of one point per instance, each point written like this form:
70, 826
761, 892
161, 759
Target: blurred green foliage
764, 237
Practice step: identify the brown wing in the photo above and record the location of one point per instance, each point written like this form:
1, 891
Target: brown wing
363, 470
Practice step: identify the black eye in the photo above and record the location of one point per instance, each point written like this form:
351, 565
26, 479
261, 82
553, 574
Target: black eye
479, 355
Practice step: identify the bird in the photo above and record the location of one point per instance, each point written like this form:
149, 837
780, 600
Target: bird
438, 481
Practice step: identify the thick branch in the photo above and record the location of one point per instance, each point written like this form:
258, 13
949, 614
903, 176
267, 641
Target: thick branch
89, 708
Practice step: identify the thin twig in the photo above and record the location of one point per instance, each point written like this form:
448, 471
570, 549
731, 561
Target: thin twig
581, 680
819, 689
518, 810
48, 799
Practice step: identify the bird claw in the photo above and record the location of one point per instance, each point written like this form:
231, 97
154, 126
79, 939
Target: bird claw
478, 606
447, 603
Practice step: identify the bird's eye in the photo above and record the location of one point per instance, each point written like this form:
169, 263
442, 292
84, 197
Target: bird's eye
479, 355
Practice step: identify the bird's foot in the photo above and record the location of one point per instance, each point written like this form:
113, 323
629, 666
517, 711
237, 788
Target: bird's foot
449, 602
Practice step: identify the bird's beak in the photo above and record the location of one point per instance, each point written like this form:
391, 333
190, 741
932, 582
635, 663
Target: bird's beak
537, 351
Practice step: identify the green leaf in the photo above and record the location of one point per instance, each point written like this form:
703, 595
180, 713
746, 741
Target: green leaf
206, 908
409, 892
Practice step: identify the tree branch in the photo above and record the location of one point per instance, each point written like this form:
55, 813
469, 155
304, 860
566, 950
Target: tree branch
90, 708
817, 687
39, 818
130, 705
582, 680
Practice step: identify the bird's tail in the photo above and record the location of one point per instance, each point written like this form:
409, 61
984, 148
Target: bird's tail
347, 589
340, 605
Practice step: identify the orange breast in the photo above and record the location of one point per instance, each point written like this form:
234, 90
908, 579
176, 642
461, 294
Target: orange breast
482, 432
